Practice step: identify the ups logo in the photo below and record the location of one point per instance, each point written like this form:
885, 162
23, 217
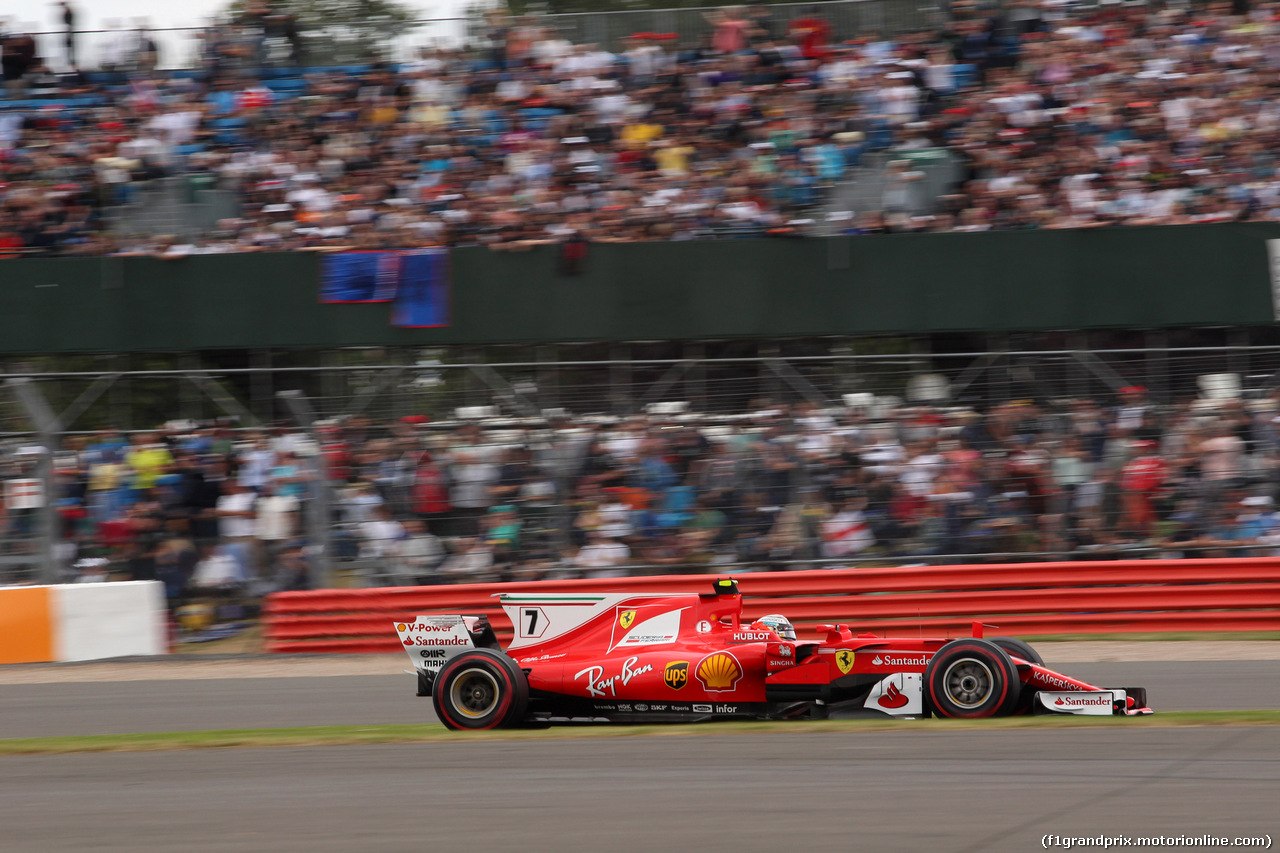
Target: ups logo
676, 675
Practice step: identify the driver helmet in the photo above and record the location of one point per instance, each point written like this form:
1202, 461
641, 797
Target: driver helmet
776, 623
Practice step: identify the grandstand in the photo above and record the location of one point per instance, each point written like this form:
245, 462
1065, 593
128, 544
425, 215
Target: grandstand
1045, 119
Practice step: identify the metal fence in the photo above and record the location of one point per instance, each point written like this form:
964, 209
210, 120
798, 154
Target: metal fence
713, 379
357, 41
378, 398
183, 206
848, 20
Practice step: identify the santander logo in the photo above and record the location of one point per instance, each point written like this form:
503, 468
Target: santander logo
893, 697
1059, 702
903, 659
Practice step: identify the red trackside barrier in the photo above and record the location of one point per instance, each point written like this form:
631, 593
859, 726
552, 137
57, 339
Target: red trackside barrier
1028, 599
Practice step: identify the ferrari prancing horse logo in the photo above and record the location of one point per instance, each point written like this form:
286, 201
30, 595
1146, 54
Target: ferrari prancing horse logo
625, 618
844, 660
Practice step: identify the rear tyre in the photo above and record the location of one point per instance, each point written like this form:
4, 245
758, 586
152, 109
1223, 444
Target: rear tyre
1014, 646
480, 689
971, 679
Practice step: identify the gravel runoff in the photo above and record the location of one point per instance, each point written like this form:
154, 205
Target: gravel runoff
285, 666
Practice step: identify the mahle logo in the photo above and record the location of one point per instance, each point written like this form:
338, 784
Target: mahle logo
676, 675
844, 660
626, 618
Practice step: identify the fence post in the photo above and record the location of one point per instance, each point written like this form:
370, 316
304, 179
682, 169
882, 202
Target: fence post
47, 430
320, 562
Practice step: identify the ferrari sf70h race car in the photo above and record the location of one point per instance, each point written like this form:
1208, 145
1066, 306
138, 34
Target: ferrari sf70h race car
686, 657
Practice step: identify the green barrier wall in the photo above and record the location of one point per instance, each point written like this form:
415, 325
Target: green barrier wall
1202, 275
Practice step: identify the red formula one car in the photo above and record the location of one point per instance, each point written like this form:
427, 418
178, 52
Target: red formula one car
651, 657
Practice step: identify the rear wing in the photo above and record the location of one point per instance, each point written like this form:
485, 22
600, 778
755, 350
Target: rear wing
431, 640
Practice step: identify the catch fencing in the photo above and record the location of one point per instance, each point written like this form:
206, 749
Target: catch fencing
338, 42
1031, 599
716, 388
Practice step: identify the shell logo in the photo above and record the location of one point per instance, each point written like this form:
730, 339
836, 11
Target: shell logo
400, 627
719, 672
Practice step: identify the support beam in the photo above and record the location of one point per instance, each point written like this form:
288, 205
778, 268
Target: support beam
502, 388
225, 401
976, 368
798, 383
87, 398
665, 382
1102, 370
385, 382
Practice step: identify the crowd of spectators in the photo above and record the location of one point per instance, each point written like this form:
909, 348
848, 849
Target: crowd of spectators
1116, 114
206, 508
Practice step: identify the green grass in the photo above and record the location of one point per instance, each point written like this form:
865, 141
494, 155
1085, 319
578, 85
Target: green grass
355, 735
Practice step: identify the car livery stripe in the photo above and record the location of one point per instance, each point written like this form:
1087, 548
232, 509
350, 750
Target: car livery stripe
548, 599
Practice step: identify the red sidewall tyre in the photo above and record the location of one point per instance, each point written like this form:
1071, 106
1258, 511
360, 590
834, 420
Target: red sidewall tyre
1014, 646
511, 690
996, 687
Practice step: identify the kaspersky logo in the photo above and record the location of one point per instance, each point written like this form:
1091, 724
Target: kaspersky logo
893, 697
844, 660
719, 672
626, 618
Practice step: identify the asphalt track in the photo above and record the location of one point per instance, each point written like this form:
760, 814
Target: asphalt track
83, 708
963, 791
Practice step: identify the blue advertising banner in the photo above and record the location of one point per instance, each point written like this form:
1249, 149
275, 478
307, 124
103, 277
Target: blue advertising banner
358, 277
422, 293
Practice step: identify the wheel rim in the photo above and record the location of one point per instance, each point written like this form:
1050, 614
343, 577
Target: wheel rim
969, 683
474, 693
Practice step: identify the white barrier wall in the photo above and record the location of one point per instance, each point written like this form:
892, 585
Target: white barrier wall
74, 622
109, 620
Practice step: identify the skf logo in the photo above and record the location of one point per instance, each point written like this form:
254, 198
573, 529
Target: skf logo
676, 675
844, 660
626, 618
719, 672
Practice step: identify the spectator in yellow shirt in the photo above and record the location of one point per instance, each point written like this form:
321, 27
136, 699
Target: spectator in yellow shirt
149, 459
640, 134
672, 159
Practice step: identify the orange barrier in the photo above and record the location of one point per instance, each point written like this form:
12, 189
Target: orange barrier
1026, 599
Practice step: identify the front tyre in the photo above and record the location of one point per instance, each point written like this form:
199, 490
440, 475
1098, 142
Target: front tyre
480, 689
1014, 646
972, 679
1018, 648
